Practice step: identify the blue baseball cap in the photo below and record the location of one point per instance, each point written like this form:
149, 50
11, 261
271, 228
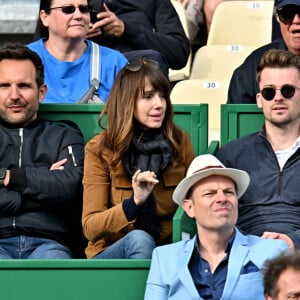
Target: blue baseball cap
280, 3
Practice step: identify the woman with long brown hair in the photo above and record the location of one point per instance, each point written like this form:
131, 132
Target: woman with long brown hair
132, 168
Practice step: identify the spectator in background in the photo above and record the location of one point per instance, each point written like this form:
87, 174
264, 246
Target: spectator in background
41, 165
271, 206
282, 277
75, 68
195, 17
243, 86
148, 28
219, 262
132, 168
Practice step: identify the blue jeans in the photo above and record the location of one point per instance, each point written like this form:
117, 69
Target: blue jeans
20, 247
135, 244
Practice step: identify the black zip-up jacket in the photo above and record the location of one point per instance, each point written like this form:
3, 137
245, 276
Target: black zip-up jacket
272, 200
39, 202
149, 24
243, 86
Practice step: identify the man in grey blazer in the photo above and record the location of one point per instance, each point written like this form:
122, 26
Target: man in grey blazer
219, 262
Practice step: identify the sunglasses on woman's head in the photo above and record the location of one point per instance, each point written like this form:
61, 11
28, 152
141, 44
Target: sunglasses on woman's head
70, 9
287, 13
287, 91
136, 65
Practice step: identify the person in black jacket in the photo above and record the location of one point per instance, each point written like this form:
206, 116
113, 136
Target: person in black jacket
41, 165
148, 28
243, 86
271, 205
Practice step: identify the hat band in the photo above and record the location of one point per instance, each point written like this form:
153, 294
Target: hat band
209, 167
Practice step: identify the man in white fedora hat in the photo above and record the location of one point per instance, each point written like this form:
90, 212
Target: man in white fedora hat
219, 262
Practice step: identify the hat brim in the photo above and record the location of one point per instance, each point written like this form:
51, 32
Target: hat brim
241, 179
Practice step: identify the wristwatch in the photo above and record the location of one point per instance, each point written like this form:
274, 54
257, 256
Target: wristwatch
2, 175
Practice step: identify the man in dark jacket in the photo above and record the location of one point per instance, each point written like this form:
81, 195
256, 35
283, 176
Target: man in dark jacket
243, 86
149, 28
41, 165
271, 205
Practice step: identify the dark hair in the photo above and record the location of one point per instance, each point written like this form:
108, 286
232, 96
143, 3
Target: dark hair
275, 58
20, 52
41, 31
120, 105
274, 267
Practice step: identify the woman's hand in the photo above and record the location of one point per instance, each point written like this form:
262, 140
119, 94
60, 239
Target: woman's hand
143, 184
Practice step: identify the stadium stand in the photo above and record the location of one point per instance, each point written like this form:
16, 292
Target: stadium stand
242, 22
80, 278
211, 71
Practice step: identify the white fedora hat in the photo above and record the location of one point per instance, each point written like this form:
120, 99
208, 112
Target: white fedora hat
207, 165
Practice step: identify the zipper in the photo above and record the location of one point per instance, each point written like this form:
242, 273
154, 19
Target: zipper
70, 150
21, 131
21, 146
280, 183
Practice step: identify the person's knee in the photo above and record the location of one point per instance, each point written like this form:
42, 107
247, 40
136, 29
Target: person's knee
140, 244
51, 250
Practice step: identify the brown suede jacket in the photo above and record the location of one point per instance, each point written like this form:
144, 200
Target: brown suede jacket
104, 220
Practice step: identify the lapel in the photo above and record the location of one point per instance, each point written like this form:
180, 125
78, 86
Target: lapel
183, 271
238, 254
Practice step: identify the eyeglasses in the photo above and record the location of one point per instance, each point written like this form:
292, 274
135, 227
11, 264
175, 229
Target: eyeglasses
70, 9
287, 13
287, 91
137, 64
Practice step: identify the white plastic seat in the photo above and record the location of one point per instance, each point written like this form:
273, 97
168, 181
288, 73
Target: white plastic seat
218, 61
242, 22
213, 92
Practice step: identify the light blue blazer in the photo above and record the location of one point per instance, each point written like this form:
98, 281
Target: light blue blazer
169, 276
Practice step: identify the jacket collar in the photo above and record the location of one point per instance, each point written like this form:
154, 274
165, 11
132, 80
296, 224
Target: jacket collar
184, 273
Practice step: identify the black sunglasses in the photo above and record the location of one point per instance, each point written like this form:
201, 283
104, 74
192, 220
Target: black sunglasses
137, 64
70, 9
287, 91
287, 13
